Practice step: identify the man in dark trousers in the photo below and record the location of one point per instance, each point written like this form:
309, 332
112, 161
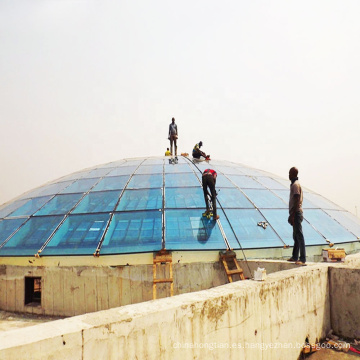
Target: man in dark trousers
197, 153
209, 181
296, 218
173, 135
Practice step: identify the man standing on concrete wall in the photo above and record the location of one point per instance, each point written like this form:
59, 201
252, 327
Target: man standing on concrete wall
296, 217
173, 135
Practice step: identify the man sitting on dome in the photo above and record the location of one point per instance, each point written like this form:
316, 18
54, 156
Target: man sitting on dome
197, 153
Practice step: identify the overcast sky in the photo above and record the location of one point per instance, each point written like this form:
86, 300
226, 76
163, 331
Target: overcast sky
270, 84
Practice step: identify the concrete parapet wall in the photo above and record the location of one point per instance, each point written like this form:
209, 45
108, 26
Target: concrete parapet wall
345, 302
248, 316
75, 290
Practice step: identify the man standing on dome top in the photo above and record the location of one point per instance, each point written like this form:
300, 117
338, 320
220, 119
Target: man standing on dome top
173, 135
296, 218
209, 180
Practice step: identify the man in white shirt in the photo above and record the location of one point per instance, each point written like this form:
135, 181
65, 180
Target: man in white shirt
296, 217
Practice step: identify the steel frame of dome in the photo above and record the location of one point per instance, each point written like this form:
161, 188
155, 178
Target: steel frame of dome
142, 205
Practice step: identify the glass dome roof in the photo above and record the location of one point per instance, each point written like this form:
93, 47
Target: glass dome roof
146, 204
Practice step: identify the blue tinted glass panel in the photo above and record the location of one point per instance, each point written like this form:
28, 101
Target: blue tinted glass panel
122, 170
183, 180
221, 162
182, 160
112, 183
139, 231
97, 173
150, 169
113, 164
147, 199
227, 170
346, 219
189, 230
184, 198
251, 172
83, 185
278, 219
321, 202
133, 162
98, 202
245, 182
8, 209
31, 236
270, 183
285, 183
31, 206
284, 194
329, 228
177, 168
74, 176
51, 189
200, 167
245, 224
79, 235
146, 181
223, 182
59, 204
233, 198
265, 199
7, 227
153, 162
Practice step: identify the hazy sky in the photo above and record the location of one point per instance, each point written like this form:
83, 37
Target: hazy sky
270, 84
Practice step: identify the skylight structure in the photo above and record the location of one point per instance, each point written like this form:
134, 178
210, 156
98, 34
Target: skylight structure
146, 204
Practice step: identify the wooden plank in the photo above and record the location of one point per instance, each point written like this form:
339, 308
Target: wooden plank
163, 281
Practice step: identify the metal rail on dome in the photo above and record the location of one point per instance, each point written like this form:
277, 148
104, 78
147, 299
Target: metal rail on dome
222, 231
98, 248
227, 221
285, 245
